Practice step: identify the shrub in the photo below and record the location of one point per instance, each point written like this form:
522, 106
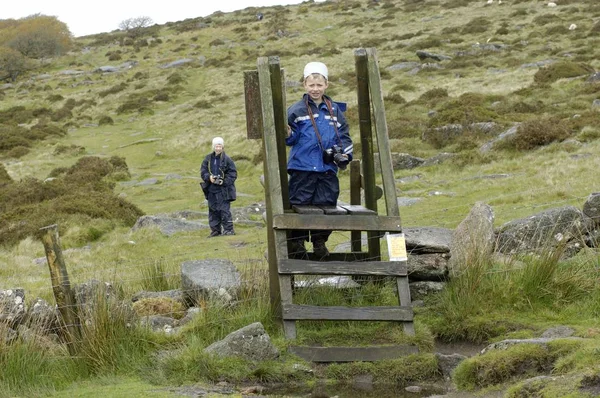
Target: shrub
561, 70
538, 132
175, 78
71, 149
115, 56
395, 98
4, 176
139, 104
203, 104
477, 25
113, 90
60, 114
55, 97
104, 120
17, 152
546, 19
467, 109
434, 95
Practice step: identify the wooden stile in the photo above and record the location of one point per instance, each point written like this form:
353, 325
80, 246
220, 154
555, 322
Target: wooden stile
282, 218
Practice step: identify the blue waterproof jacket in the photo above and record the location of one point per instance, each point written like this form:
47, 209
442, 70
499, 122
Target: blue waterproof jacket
306, 153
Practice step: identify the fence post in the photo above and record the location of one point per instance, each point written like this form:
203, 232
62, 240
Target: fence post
65, 299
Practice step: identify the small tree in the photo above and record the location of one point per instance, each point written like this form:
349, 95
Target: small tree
39, 36
135, 26
12, 64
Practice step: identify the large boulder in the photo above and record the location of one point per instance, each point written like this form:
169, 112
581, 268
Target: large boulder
473, 239
209, 279
560, 228
427, 239
250, 342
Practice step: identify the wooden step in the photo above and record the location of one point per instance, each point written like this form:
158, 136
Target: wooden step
338, 223
353, 354
304, 267
335, 313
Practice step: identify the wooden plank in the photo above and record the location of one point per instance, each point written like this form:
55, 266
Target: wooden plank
366, 143
347, 256
404, 298
307, 209
277, 246
289, 327
353, 354
334, 210
336, 313
339, 223
302, 267
358, 210
254, 122
383, 142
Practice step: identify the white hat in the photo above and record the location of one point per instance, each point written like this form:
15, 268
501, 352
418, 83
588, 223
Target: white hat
315, 67
216, 141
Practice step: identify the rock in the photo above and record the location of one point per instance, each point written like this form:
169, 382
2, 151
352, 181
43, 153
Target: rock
473, 239
548, 230
209, 279
168, 225
447, 363
250, 342
420, 290
428, 267
427, 239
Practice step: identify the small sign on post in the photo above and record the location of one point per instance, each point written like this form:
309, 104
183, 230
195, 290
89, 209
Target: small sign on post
396, 244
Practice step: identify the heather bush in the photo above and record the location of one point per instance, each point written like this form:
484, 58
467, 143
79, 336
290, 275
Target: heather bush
561, 70
538, 132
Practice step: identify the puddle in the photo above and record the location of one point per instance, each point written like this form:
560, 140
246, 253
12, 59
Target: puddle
365, 390
464, 348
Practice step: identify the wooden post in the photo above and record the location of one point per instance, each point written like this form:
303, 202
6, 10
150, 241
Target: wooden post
366, 142
254, 125
280, 115
387, 173
355, 185
273, 197
65, 299
383, 142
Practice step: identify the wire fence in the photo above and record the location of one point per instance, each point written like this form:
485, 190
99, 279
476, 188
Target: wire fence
147, 271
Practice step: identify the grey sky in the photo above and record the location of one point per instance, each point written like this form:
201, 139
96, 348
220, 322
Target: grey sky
89, 17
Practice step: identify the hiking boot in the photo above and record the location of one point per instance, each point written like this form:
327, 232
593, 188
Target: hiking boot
297, 249
214, 233
320, 249
228, 233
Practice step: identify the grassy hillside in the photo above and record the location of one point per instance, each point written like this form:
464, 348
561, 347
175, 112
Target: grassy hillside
520, 61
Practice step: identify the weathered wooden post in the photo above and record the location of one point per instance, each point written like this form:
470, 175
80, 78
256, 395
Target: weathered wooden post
65, 299
366, 144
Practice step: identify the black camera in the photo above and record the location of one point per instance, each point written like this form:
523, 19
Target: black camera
218, 179
336, 155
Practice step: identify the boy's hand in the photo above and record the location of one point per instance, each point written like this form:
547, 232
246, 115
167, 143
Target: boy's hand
289, 130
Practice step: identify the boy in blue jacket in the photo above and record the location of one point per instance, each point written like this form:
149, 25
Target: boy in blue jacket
218, 174
321, 143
